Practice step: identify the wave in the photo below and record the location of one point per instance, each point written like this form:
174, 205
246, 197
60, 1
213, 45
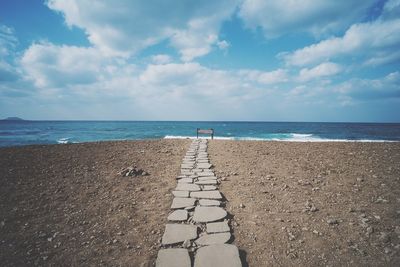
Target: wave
194, 137
64, 140
282, 137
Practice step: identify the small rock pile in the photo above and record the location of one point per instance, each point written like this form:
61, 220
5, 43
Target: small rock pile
133, 171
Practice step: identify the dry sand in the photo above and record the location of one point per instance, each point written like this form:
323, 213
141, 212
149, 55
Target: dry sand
293, 204
312, 204
66, 205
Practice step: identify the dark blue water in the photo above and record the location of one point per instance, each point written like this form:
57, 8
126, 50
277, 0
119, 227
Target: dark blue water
55, 132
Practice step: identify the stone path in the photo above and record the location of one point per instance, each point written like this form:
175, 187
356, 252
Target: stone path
198, 228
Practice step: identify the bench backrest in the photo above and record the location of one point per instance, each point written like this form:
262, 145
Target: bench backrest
205, 131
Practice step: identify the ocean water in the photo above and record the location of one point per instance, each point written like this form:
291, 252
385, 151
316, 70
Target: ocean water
13, 133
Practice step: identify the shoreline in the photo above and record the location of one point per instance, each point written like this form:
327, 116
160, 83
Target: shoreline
235, 139
320, 140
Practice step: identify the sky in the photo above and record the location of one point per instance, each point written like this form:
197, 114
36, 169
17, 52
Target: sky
236, 60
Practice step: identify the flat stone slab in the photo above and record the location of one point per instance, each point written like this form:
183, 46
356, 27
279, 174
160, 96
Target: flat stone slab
217, 227
212, 239
208, 214
203, 174
180, 193
186, 180
207, 182
182, 202
173, 257
222, 255
215, 194
177, 233
186, 166
203, 165
204, 178
178, 215
209, 187
188, 162
187, 187
209, 202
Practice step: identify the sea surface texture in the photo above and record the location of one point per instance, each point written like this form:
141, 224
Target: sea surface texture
14, 133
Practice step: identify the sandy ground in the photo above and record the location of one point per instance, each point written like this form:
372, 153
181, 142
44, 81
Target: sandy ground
66, 205
312, 204
293, 204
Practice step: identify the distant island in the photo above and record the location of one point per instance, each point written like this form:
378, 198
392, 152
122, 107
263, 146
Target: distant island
13, 119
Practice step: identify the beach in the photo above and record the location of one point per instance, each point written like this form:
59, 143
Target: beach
312, 204
291, 203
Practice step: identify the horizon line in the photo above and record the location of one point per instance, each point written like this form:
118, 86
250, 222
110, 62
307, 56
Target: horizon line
213, 121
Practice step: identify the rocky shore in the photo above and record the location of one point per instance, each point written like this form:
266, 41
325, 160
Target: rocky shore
312, 204
294, 204
97, 204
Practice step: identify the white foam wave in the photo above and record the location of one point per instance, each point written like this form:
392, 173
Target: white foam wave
194, 137
292, 137
63, 140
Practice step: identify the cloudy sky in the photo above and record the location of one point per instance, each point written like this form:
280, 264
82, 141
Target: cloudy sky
286, 60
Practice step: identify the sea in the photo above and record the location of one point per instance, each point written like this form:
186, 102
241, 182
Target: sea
17, 133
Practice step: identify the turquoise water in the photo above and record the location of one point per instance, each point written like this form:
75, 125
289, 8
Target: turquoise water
14, 133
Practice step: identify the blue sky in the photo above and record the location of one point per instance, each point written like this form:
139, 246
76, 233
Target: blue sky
310, 60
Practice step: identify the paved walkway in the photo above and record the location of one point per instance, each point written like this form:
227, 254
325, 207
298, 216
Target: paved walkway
198, 230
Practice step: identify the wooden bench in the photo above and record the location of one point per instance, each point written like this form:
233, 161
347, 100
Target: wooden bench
205, 131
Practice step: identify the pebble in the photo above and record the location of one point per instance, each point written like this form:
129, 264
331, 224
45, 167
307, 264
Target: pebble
187, 243
291, 236
384, 237
332, 221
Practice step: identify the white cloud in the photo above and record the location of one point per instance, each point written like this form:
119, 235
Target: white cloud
371, 89
372, 43
124, 27
7, 72
223, 44
318, 17
161, 59
391, 9
8, 41
265, 77
373, 40
325, 69
48, 65
156, 90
